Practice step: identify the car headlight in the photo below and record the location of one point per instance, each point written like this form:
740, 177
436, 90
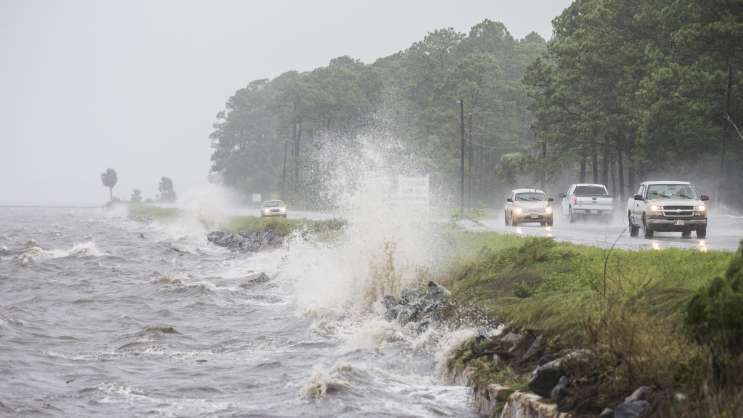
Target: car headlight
517, 211
701, 208
548, 210
654, 208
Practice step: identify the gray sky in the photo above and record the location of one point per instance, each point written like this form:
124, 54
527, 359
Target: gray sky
135, 85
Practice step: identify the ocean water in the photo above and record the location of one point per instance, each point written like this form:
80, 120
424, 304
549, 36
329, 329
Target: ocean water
104, 316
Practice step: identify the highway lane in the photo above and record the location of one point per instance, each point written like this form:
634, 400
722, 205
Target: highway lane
724, 233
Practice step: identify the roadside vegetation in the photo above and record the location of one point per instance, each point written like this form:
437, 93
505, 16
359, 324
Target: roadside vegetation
281, 227
623, 90
143, 212
664, 319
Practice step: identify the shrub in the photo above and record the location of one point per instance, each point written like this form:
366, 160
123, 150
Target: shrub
714, 316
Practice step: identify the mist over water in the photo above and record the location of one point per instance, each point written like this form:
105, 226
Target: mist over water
102, 315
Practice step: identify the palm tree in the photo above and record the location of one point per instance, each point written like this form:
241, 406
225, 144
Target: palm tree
109, 179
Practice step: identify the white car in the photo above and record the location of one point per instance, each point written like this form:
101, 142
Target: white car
586, 200
668, 206
273, 208
528, 205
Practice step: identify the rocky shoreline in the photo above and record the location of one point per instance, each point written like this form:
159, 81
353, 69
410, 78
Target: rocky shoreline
246, 241
515, 374
512, 373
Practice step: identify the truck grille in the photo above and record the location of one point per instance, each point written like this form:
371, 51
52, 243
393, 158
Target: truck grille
680, 211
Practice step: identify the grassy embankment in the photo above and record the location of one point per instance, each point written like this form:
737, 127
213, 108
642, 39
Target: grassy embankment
324, 229
626, 306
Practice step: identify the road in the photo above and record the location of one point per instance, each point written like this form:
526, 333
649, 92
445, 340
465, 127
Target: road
724, 233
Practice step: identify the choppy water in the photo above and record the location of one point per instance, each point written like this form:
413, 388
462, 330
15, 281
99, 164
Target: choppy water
103, 316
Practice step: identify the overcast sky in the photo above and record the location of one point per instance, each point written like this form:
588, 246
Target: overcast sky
135, 85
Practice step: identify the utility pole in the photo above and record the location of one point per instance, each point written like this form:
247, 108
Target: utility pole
461, 167
283, 172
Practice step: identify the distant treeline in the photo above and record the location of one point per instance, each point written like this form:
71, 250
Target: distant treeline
625, 89
637, 88
411, 95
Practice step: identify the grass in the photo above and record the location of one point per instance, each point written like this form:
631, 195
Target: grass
626, 306
144, 211
282, 226
549, 286
323, 229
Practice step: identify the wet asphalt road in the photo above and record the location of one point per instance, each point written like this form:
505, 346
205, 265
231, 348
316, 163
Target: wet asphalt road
724, 233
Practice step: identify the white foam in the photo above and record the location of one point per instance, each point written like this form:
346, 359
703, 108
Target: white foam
384, 244
80, 250
321, 383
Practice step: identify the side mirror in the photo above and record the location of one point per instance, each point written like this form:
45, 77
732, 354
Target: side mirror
509, 200
704, 198
549, 199
562, 195
638, 197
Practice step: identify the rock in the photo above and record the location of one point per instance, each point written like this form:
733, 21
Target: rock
545, 377
643, 393
416, 305
607, 413
390, 305
511, 339
528, 405
489, 400
631, 409
560, 390
245, 241
437, 293
535, 350
634, 405
254, 279
410, 296
499, 393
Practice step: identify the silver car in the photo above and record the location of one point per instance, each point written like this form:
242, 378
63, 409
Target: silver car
528, 205
273, 208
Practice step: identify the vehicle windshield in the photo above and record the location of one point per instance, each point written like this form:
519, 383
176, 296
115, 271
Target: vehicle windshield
590, 191
273, 204
671, 191
530, 197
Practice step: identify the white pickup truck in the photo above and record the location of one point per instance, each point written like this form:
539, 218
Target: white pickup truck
586, 200
668, 206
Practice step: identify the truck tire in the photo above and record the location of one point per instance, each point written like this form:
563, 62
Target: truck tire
505, 218
551, 221
686, 234
633, 230
702, 232
647, 232
571, 216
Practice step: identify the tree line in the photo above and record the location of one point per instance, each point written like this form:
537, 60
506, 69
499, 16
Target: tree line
636, 88
267, 137
625, 89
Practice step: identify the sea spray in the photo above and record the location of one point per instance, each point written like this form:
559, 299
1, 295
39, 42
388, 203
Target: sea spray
321, 382
387, 240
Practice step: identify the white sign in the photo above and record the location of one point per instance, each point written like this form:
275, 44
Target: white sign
256, 198
413, 191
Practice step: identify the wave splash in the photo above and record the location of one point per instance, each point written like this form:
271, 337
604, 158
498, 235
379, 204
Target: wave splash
32, 252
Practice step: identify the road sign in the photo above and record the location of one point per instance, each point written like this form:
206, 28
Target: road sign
413, 191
